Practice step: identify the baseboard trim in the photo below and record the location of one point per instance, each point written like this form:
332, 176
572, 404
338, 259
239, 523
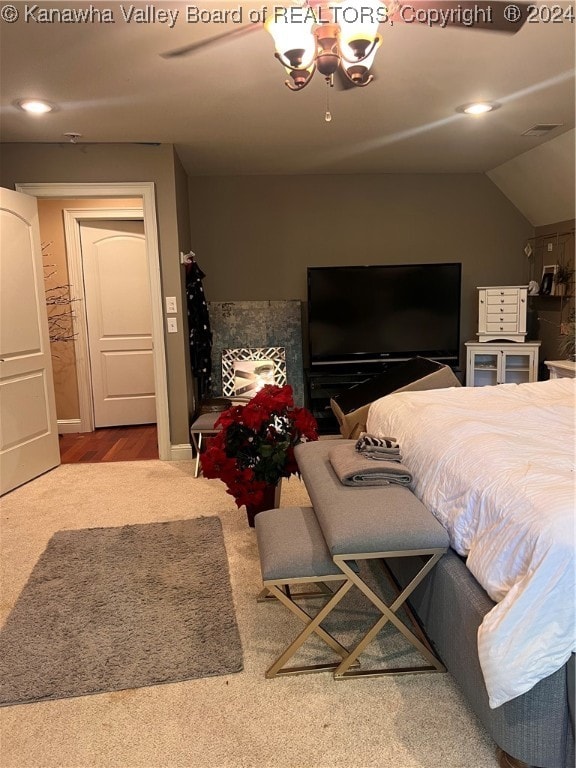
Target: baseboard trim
182, 452
69, 426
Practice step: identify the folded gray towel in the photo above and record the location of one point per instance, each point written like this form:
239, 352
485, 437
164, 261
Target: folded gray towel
352, 468
392, 455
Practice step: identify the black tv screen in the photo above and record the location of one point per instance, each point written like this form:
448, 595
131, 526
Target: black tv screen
389, 312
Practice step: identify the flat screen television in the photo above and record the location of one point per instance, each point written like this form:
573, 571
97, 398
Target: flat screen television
370, 314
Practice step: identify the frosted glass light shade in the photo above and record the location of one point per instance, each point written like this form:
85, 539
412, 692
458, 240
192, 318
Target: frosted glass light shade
349, 57
359, 20
292, 36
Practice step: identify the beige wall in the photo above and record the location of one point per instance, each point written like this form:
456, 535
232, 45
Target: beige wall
255, 236
183, 217
120, 163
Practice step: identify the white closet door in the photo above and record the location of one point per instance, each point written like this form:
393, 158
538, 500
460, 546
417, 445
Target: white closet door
119, 315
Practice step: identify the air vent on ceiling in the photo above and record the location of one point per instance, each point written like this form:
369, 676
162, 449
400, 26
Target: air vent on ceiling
541, 129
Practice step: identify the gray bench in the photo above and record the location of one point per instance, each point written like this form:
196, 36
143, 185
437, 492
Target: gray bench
292, 551
347, 525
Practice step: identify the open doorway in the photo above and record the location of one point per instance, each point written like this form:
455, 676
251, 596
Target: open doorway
118, 405
152, 379
113, 344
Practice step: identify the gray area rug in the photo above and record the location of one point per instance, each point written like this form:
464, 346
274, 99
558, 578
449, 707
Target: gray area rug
106, 609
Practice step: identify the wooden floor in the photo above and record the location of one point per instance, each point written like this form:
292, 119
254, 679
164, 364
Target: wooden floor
110, 444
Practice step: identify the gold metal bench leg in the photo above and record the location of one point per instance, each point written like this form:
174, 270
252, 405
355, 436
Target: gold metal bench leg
197, 446
388, 615
323, 592
312, 625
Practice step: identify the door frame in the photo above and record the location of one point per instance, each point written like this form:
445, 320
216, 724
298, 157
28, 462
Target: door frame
73, 218
145, 191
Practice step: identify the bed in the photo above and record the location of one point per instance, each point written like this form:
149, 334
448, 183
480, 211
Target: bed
495, 465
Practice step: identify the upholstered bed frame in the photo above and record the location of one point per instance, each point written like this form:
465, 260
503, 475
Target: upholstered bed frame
536, 728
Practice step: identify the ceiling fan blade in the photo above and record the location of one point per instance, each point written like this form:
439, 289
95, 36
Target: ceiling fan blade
493, 16
185, 50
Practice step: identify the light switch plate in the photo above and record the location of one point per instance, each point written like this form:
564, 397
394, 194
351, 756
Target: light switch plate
171, 306
172, 325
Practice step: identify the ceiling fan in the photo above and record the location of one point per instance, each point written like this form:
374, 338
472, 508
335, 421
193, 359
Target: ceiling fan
341, 37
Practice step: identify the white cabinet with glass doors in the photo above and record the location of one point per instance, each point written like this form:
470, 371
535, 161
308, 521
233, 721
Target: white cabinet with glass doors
493, 363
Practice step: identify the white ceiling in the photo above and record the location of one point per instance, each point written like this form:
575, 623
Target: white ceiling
227, 111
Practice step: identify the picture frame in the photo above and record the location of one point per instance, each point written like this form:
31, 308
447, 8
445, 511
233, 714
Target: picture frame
547, 282
246, 370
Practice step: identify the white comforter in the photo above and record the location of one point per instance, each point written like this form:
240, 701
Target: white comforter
496, 466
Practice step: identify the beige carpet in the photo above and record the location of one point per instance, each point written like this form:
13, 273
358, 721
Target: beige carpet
235, 721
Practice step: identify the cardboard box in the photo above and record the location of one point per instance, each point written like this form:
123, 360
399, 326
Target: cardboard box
351, 407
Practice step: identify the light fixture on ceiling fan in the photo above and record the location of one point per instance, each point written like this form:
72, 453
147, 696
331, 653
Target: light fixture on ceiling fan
326, 37
341, 36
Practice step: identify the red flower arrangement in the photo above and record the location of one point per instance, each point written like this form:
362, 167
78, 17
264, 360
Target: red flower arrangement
255, 447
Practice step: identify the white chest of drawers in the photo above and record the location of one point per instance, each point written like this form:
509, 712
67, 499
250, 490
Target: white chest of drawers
502, 313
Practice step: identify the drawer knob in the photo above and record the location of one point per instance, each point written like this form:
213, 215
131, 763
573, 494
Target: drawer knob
501, 293
501, 328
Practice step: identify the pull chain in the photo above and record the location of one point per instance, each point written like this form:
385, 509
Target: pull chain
328, 115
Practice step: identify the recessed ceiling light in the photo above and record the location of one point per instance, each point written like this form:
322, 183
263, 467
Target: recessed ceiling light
35, 106
478, 107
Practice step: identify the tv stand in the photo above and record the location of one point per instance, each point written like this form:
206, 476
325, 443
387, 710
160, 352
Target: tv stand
325, 382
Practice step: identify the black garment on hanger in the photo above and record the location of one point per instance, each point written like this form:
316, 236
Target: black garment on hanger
200, 338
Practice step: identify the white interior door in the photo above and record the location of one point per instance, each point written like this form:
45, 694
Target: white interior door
28, 431
119, 317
